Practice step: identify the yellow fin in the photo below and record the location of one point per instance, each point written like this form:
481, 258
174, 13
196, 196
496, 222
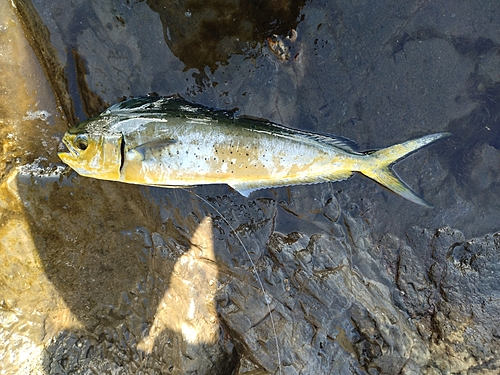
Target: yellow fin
378, 167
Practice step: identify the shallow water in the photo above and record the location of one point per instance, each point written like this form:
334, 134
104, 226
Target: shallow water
113, 278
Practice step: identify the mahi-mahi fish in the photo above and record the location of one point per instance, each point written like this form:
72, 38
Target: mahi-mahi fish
169, 142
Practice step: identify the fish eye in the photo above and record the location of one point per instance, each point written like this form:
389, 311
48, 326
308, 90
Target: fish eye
81, 141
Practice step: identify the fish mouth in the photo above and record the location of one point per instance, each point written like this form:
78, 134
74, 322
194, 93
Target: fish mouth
71, 154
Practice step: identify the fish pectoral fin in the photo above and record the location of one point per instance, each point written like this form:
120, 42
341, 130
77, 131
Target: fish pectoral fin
153, 145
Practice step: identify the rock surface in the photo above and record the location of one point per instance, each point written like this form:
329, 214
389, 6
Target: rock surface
335, 278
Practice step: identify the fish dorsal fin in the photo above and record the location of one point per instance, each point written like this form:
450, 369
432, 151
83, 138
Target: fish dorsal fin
151, 106
341, 142
262, 125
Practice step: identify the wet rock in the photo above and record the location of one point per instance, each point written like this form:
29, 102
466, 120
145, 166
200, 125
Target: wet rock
450, 302
218, 29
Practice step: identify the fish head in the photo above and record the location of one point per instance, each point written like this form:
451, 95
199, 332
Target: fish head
93, 150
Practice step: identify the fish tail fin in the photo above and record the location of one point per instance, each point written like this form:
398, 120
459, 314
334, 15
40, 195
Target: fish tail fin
379, 167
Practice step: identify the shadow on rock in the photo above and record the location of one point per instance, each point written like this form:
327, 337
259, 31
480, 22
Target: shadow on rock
140, 289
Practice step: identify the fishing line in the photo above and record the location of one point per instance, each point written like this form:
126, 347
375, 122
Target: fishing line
267, 297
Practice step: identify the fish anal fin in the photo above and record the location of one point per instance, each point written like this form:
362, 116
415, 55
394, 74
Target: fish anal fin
339, 176
247, 188
173, 186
